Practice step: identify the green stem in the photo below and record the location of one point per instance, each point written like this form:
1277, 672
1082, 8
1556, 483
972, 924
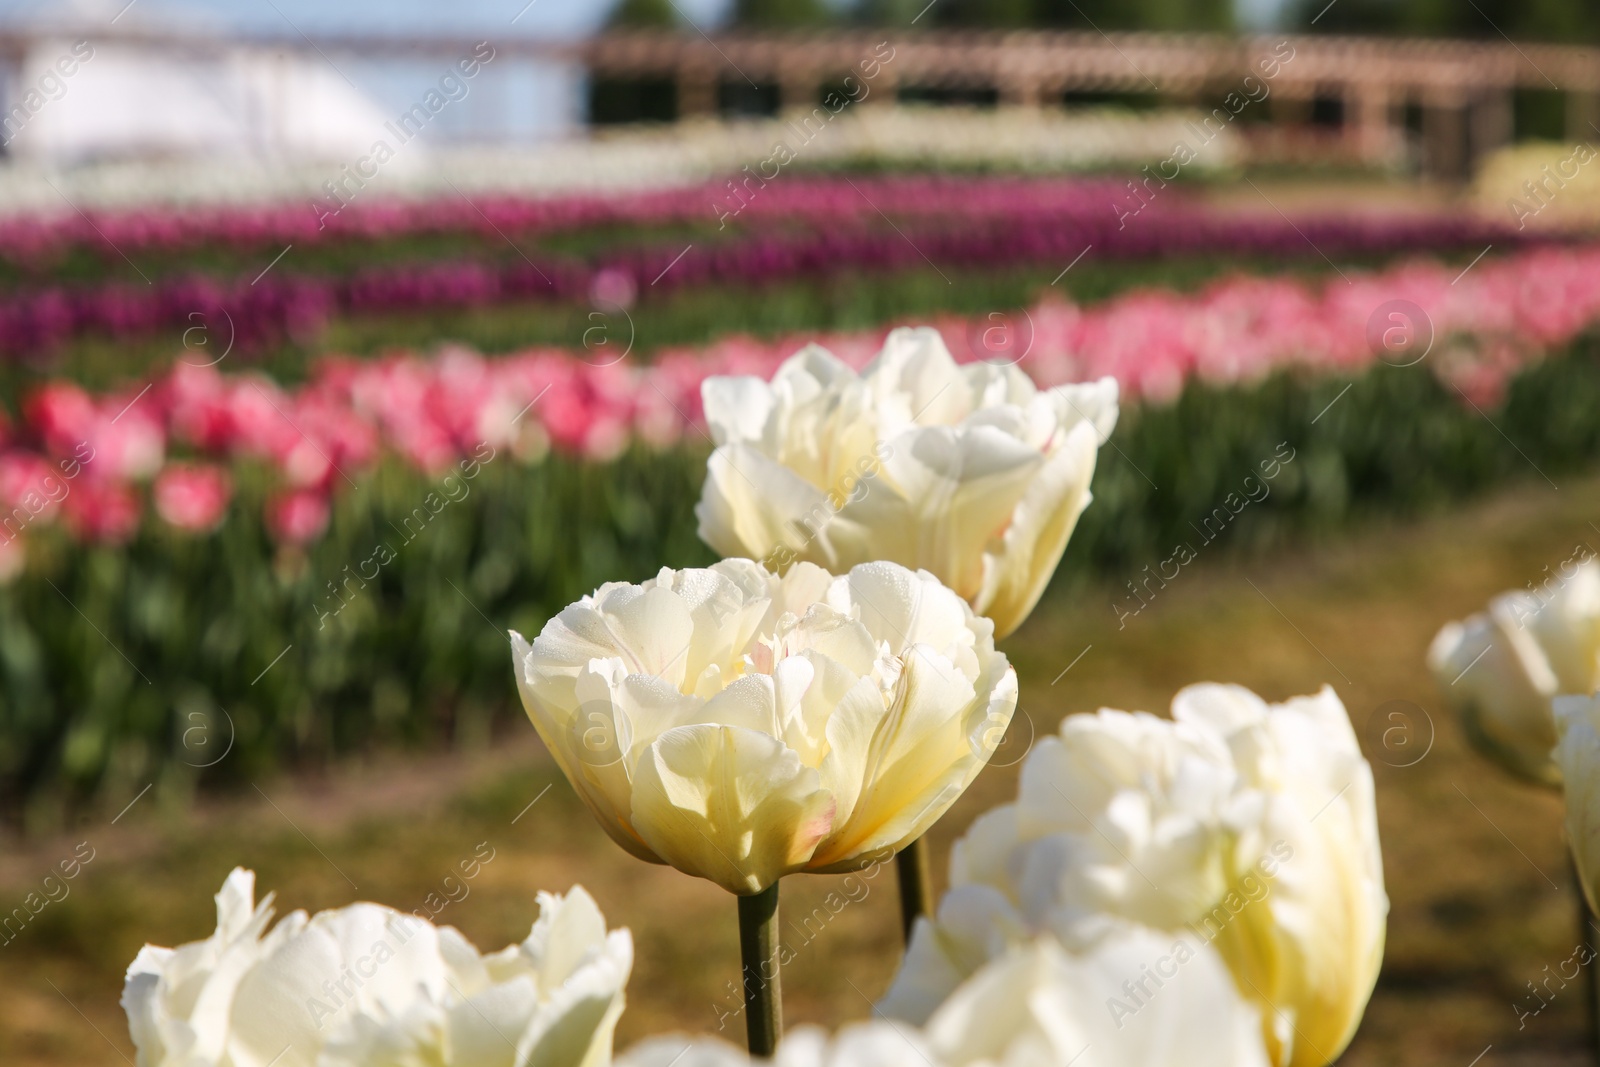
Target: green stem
758, 956
916, 884
1591, 981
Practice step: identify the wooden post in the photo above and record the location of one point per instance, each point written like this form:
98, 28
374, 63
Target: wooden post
1369, 123
1583, 115
1019, 87
1492, 122
1444, 136
798, 89
697, 91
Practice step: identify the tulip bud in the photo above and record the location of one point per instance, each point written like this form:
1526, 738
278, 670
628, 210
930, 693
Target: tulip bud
1501, 669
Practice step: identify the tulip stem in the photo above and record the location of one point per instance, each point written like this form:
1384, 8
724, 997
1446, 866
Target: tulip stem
758, 955
916, 885
1591, 983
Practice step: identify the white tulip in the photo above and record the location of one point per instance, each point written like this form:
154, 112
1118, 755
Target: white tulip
1577, 755
1501, 669
1247, 826
1137, 998
368, 986
876, 1044
740, 726
968, 472
1039, 1006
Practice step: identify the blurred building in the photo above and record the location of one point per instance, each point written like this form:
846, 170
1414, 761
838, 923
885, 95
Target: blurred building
82, 87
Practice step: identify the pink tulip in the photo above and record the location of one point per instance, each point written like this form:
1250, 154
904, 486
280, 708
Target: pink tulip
82, 450
298, 517
193, 497
101, 512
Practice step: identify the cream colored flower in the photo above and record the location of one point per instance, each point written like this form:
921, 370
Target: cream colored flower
1577, 755
1039, 1006
367, 986
1137, 998
1251, 828
859, 1045
740, 726
1501, 669
968, 472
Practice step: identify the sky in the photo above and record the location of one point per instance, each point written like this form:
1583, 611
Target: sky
563, 18
519, 100
540, 18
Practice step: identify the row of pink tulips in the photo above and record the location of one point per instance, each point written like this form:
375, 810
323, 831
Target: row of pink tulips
81, 457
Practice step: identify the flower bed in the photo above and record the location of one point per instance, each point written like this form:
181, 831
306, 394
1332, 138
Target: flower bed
388, 627
388, 519
39, 242
264, 308
640, 159
1474, 330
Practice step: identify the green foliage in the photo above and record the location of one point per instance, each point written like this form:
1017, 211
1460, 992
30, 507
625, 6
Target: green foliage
780, 14
1539, 115
644, 14
182, 651
1566, 21
119, 667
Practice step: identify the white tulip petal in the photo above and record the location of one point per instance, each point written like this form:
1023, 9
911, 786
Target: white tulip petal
920, 760
857, 715
969, 472
754, 506
484, 1027
1566, 626
994, 385
986, 852
1503, 667
835, 745
1578, 755
366, 986
736, 408
943, 495
914, 379
1093, 403
1038, 1005
685, 1051
568, 933
1248, 825
733, 805
1018, 564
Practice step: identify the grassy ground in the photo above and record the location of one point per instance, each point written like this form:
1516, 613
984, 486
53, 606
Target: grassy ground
1475, 863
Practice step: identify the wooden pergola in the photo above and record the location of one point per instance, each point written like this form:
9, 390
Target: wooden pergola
1463, 90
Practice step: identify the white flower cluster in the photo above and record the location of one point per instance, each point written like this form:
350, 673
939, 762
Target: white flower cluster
1204, 890
642, 158
368, 986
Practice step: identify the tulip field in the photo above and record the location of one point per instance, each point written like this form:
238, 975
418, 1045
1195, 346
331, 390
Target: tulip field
1038, 617
1471, 921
